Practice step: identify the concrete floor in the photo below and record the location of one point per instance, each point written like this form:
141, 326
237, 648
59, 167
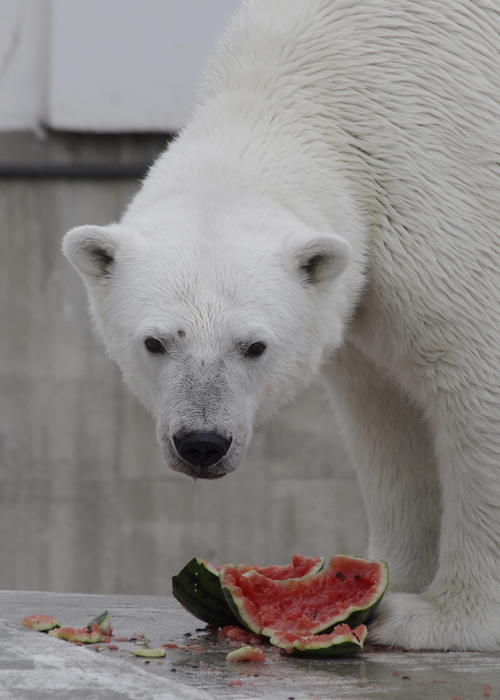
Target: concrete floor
35, 666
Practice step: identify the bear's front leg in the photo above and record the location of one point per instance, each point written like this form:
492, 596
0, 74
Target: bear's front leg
389, 445
461, 607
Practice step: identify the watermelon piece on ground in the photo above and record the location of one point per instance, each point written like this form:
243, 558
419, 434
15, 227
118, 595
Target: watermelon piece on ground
198, 589
246, 654
40, 623
70, 634
347, 590
149, 653
104, 624
341, 642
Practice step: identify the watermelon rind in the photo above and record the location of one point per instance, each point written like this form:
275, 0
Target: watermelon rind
70, 634
245, 654
342, 645
352, 615
40, 623
197, 588
103, 623
149, 653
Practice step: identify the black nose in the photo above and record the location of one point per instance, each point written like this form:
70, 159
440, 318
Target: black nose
201, 449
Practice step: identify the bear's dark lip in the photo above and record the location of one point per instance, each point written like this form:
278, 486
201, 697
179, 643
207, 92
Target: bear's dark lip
216, 471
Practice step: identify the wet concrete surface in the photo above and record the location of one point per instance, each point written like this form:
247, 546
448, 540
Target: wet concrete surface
36, 666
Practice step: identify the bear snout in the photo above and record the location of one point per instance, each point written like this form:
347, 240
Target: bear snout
201, 450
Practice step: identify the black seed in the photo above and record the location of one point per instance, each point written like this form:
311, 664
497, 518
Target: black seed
147, 662
405, 678
356, 576
340, 575
173, 670
187, 634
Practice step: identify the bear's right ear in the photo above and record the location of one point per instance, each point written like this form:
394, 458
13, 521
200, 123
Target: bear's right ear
91, 249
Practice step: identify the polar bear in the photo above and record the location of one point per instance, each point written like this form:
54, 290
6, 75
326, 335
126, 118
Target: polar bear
333, 208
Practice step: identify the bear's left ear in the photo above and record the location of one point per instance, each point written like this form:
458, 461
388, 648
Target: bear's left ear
323, 258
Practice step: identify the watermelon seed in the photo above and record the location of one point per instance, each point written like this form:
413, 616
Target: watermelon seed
357, 576
340, 575
173, 670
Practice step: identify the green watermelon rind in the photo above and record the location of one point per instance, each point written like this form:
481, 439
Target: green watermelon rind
343, 645
197, 588
157, 653
352, 616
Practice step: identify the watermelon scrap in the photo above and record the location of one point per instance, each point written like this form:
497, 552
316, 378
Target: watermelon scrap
247, 653
70, 634
236, 634
149, 653
104, 624
341, 642
40, 623
347, 590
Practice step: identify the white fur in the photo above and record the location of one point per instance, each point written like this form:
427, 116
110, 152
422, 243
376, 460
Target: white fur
367, 133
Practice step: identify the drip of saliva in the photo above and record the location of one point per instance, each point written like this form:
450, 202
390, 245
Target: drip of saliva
196, 507
196, 520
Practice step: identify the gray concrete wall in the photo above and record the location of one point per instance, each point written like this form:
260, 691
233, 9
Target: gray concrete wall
86, 501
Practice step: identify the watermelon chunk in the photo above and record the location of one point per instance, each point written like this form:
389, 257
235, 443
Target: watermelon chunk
347, 590
246, 654
40, 623
103, 623
70, 634
198, 588
149, 653
341, 642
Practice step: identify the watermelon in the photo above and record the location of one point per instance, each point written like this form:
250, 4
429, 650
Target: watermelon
198, 589
85, 636
103, 623
149, 653
342, 641
347, 590
247, 653
40, 623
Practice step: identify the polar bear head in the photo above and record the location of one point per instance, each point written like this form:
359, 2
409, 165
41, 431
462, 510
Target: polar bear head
218, 312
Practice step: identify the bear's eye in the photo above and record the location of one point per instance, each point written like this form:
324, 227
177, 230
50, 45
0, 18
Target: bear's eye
154, 346
255, 350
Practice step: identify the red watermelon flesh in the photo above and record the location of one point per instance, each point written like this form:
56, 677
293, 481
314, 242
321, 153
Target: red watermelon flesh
300, 566
348, 589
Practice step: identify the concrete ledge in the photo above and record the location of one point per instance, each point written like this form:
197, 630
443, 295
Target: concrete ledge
33, 665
